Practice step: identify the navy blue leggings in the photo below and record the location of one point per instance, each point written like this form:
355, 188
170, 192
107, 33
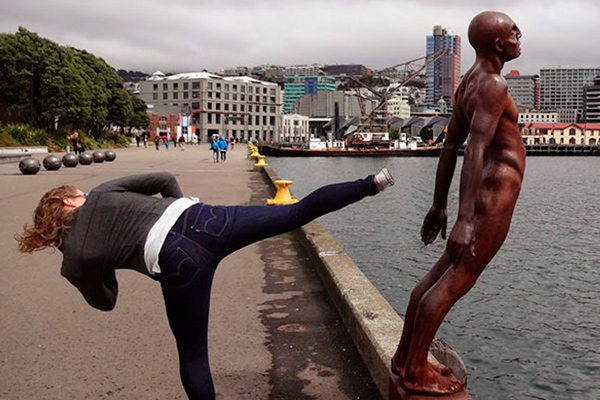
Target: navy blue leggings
201, 238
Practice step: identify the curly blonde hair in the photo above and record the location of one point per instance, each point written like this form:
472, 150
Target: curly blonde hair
51, 220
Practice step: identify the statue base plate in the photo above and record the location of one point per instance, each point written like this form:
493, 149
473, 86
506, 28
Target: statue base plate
397, 393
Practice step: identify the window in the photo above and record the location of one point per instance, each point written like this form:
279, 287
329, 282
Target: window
185, 85
226, 96
155, 86
176, 86
195, 95
234, 97
154, 96
209, 106
175, 95
218, 86
196, 106
226, 106
209, 118
165, 86
218, 119
257, 91
209, 85
241, 107
242, 97
572, 131
186, 95
218, 106
218, 95
210, 95
243, 89
234, 107
249, 108
234, 87
226, 86
165, 96
195, 85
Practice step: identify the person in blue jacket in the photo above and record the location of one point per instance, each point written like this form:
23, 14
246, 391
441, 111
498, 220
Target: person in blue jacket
223, 148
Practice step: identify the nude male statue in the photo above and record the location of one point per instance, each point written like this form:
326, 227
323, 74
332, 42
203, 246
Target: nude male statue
494, 163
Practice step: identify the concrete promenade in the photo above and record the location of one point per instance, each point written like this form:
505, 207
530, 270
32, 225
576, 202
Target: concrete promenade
274, 333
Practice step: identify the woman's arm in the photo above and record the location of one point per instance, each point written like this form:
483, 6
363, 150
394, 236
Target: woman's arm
163, 183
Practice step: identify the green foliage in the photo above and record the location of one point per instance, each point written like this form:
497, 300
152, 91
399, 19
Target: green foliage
56, 88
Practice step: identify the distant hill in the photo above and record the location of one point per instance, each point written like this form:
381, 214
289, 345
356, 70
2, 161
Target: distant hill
132, 76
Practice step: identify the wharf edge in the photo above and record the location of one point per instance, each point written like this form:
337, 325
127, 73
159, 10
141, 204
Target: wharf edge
373, 324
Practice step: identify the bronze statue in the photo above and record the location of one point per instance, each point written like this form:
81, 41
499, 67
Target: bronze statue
494, 163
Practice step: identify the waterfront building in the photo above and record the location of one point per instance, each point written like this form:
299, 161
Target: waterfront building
297, 86
561, 90
235, 107
294, 129
443, 75
561, 133
524, 89
347, 69
591, 102
538, 117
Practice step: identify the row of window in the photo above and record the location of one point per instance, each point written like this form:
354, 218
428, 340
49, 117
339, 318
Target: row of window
217, 86
258, 120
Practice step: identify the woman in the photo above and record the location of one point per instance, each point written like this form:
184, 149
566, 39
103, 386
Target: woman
175, 240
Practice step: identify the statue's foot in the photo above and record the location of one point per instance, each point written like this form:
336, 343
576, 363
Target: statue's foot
439, 368
430, 382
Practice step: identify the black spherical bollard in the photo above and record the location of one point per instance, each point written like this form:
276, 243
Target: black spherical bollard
29, 166
70, 160
98, 156
52, 163
110, 155
86, 158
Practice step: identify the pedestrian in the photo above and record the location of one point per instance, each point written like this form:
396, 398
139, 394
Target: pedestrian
223, 148
215, 149
175, 240
137, 140
157, 142
145, 137
181, 142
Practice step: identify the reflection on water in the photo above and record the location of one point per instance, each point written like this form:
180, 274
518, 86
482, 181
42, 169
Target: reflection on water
530, 328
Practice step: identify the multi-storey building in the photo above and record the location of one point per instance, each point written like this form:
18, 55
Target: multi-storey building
398, 107
235, 107
561, 90
524, 89
322, 105
591, 102
298, 86
294, 129
443, 75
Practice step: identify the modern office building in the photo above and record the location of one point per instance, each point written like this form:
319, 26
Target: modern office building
443, 75
303, 70
297, 86
561, 90
591, 102
235, 107
524, 90
322, 105
538, 117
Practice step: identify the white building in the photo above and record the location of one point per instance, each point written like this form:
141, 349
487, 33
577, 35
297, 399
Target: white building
294, 129
398, 107
538, 117
235, 107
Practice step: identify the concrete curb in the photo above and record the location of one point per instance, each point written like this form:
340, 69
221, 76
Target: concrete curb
373, 324
15, 154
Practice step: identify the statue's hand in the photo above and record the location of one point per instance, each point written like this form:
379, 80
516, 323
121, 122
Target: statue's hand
435, 221
461, 240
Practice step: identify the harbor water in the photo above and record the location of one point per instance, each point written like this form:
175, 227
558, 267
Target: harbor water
530, 328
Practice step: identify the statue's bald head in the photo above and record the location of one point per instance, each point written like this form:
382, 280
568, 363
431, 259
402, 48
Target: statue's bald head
487, 27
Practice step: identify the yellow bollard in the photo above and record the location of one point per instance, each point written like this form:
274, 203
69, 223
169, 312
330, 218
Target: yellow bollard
260, 162
283, 195
254, 153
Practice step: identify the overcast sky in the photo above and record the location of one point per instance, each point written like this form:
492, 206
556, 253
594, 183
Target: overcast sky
192, 35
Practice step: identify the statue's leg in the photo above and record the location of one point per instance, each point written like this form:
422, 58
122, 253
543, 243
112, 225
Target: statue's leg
399, 359
419, 376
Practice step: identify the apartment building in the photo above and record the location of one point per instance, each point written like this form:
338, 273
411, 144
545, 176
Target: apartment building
235, 107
